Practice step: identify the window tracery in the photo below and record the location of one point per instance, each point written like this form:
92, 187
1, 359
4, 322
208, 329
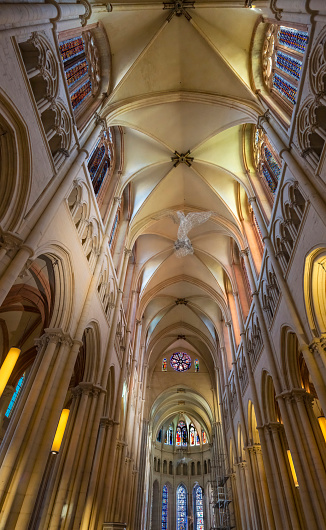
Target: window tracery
180, 361
267, 163
181, 508
81, 64
282, 59
165, 498
199, 508
169, 436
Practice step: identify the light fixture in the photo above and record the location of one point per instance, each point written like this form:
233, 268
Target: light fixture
7, 367
294, 475
322, 425
60, 431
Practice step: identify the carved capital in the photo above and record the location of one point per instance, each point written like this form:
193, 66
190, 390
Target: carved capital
262, 120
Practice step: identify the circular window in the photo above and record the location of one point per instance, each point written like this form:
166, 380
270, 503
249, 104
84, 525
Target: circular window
180, 361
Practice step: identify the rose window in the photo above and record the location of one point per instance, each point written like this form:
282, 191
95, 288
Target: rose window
180, 361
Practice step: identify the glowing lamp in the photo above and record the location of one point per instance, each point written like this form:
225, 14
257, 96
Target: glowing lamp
60, 431
322, 425
294, 475
7, 367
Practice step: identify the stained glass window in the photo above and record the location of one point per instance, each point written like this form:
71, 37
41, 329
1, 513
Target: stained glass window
71, 48
284, 88
169, 436
203, 437
197, 439
266, 161
165, 508
159, 436
196, 365
178, 436
164, 365
288, 64
293, 39
180, 361
96, 162
193, 434
183, 434
99, 181
199, 508
182, 508
15, 396
76, 72
115, 224
81, 93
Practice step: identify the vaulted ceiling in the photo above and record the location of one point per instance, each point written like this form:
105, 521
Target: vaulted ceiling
182, 85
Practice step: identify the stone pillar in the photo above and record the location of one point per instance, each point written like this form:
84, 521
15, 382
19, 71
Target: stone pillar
28, 449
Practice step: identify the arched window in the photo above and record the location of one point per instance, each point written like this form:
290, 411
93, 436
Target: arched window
165, 508
159, 436
169, 436
198, 508
81, 64
193, 435
283, 52
178, 436
204, 437
101, 163
164, 365
196, 363
197, 439
183, 432
182, 508
267, 162
15, 396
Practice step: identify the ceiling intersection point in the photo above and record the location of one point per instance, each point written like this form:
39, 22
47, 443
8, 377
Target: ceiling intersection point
181, 337
182, 158
178, 8
181, 301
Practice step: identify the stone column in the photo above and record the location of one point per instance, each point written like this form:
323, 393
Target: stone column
30, 445
310, 360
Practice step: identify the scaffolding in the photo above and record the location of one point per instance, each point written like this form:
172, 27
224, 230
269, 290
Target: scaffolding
221, 496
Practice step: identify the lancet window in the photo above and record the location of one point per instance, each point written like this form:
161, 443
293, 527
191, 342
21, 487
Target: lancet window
283, 52
204, 437
81, 64
169, 436
182, 508
165, 498
101, 163
198, 508
267, 162
159, 436
193, 436
15, 396
196, 364
164, 365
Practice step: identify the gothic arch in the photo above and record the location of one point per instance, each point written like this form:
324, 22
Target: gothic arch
314, 290
15, 166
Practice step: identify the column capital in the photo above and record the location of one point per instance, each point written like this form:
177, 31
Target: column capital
252, 200
263, 119
244, 252
127, 251
100, 121
117, 199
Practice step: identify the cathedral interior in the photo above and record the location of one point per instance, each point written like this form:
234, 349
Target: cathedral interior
162, 265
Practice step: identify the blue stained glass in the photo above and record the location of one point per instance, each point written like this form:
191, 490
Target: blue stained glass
81, 93
169, 436
115, 224
293, 39
76, 72
180, 361
96, 162
15, 396
272, 162
199, 509
181, 508
269, 178
288, 64
165, 508
284, 88
99, 181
